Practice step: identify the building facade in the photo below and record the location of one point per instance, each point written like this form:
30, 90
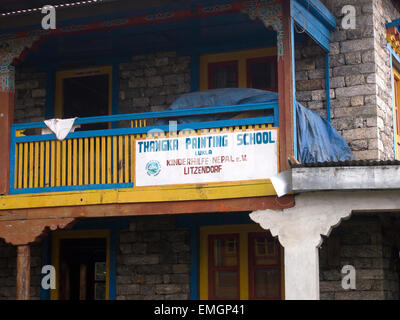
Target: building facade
90, 205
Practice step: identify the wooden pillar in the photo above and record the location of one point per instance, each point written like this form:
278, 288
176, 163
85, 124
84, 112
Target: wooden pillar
6, 119
23, 272
285, 89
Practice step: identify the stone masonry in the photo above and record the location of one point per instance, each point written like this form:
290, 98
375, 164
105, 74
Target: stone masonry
30, 96
152, 82
360, 78
8, 271
362, 244
153, 260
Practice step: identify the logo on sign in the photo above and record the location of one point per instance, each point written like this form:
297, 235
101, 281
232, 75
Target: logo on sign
153, 168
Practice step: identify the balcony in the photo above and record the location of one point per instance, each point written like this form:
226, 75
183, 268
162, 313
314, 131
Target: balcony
105, 159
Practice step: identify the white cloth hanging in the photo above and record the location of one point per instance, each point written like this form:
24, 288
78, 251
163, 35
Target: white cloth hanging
60, 127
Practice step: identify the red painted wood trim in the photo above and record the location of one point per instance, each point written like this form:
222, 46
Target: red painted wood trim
212, 268
168, 16
285, 91
252, 267
23, 272
6, 119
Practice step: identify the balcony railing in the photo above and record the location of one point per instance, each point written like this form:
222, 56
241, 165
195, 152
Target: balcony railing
104, 159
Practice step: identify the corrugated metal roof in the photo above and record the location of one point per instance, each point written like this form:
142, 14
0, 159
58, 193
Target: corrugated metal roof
354, 163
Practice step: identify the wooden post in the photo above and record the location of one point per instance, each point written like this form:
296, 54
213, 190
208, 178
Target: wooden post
6, 119
285, 89
23, 272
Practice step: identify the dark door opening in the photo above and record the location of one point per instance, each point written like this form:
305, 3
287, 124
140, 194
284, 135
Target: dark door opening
83, 271
86, 97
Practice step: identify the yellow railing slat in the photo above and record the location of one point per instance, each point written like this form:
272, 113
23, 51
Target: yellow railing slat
75, 162
120, 157
103, 160
64, 163
30, 165
97, 164
126, 160
42, 155
80, 163
115, 160
109, 168
36, 165
91, 164
86, 161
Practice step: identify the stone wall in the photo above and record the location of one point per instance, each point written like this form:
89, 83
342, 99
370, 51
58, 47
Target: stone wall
359, 74
359, 242
153, 260
152, 82
384, 12
8, 271
30, 95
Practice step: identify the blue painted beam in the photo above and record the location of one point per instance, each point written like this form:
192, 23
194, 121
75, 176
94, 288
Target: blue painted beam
312, 26
141, 130
321, 12
160, 114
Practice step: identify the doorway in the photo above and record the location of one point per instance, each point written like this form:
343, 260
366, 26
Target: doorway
82, 265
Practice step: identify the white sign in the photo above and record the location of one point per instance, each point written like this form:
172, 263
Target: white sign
231, 156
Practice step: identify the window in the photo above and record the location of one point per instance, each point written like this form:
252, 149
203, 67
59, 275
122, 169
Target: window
240, 262
242, 69
84, 93
397, 110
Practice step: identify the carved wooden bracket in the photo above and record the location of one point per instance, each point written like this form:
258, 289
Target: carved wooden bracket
270, 13
22, 232
10, 50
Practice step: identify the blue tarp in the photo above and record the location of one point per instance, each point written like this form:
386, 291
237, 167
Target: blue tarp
317, 139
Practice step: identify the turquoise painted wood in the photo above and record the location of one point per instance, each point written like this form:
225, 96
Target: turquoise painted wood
311, 24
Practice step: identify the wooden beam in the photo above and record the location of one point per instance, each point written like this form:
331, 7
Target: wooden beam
6, 119
285, 90
140, 209
23, 272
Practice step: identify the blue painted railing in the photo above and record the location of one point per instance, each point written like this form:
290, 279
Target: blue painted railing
103, 159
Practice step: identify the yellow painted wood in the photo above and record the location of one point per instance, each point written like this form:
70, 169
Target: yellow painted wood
132, 159
36, 165
16, 155
41, 173
20, 164
80, 162
30, 175
109, 168
26, 173
56, 238
75, 156
103, 160
120, 157
91, 164
53, 164
58, 163
97, 164
86, 161
126, 159
115, 160
258, 188
63, 163
69, 162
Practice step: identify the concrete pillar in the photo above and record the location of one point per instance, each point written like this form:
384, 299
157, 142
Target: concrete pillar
23, 272
300, 228
301, 272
